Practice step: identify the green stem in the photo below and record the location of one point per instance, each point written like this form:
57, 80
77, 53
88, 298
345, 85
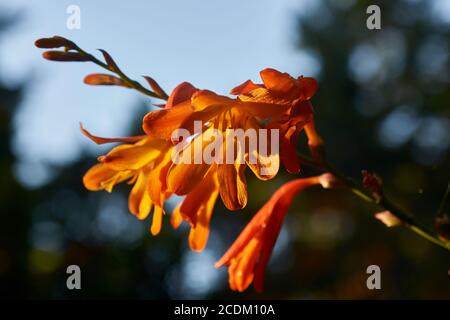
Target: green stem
132, 83
383, 202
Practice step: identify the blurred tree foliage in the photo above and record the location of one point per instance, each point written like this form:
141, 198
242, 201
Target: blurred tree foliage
382, 105
15, 201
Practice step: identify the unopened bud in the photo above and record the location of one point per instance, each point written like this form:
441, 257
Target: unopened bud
443, 227
329, 181
64, 56
156, 87
109, 61
389, 219
100, 79
373, 183
54, 42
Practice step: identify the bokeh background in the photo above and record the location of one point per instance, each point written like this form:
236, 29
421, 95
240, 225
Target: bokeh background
383, 105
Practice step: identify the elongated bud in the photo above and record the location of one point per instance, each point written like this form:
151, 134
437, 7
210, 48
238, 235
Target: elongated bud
443, 227
64, 56
54, 42
373, 183
109, 60
101, 79
388, 219
156, 87
329, 181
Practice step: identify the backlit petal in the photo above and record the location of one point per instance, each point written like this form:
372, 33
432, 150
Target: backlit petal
157, 220
308, 87
233, 185
185, 174
197, 209
134, 157
181, 93
96, 175
244, 88
139, 202
162, 123
276, 80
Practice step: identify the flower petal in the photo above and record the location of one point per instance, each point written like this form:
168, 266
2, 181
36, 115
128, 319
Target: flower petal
162, 123
289, 154
157, 189
244, 88
203, 99
264, 108
134, 157
176, 218
241, 270
95, 177
184, 175
233, 185
308, 87
269, 236
206, 195
157, 220
139, 202
101, 140
181, 93
276, 80
264, 160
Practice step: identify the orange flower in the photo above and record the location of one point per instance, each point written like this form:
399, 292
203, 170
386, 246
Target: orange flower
145, 164
197, 209
249, 255
280, 89
217, 114
141, 163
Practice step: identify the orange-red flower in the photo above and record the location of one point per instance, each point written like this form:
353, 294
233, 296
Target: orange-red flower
249, 255
149, 165
143, 164
218, 113
280, 89
197, 209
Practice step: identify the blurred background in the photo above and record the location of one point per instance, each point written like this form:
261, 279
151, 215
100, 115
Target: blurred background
383, 105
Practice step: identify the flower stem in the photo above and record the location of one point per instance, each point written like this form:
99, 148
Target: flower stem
384, 202
132, 83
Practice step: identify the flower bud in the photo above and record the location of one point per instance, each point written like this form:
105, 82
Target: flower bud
54, 55
442, 225
54, 42
100, 79
109, 61
329, 181
388, 219
156, 87
373, 183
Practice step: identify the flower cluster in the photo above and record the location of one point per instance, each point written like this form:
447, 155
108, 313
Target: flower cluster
280, 102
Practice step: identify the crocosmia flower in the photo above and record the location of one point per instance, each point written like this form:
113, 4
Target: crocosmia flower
248, 256
217, 116
280, 89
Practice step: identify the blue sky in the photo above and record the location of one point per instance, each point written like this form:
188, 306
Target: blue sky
213, 44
